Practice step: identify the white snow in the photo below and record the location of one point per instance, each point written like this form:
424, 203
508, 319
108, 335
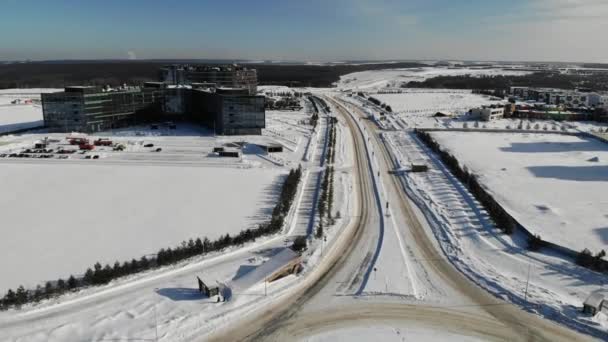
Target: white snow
388, 332
414, 102
106, 206
394, 78
21, 115
165, 302
544, 180
64, 218
541, 282
17, 117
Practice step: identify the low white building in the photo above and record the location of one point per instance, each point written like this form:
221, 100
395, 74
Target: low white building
487, 113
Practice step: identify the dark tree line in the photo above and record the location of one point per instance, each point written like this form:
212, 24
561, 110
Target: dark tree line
314, 119
325, 205
501, 218
380, 104
596, 81
58, 74
99, 274
595, 262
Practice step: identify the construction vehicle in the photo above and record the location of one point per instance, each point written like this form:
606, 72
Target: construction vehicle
77, 141
102, 142
86, 146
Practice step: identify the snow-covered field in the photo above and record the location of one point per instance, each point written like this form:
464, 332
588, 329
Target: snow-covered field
24, 114
394, 78
164, 303
540, 282
417, 102
63, 215
549, 182
60, 219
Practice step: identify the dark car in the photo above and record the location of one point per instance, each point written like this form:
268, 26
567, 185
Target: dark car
149, 145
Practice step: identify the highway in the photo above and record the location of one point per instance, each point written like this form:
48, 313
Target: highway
327, 298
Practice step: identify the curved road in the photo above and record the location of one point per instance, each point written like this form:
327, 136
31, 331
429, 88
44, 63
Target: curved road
325, 300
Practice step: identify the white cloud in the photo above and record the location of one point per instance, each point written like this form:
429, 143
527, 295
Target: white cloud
131, 55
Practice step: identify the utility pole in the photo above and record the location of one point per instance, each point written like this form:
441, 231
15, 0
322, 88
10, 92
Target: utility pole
527, 281
155, 323
265, 286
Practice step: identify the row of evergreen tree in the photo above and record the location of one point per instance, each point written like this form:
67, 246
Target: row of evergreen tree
99, 274
325, 205
380, 104
314, 119
500, 217
595, 262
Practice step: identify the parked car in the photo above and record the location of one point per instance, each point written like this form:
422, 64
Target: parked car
149, 145
158, 149
95, 157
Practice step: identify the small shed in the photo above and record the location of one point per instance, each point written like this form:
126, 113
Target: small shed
205, 290
593, 304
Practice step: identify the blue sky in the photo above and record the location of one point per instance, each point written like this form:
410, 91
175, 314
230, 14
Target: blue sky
311, 30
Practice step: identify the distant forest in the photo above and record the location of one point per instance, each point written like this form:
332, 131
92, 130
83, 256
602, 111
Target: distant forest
597, 81
59, 75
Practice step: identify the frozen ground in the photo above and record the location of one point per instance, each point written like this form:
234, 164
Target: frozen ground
164, 303
387, 332
546, 181
394, 78
416, 102
543, 283
64, 218
62, 215
25, 114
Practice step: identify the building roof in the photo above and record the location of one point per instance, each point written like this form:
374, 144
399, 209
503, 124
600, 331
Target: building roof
595, 299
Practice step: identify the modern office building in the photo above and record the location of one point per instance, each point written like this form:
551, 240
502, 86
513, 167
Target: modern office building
216, 76
226, 110
93, 109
